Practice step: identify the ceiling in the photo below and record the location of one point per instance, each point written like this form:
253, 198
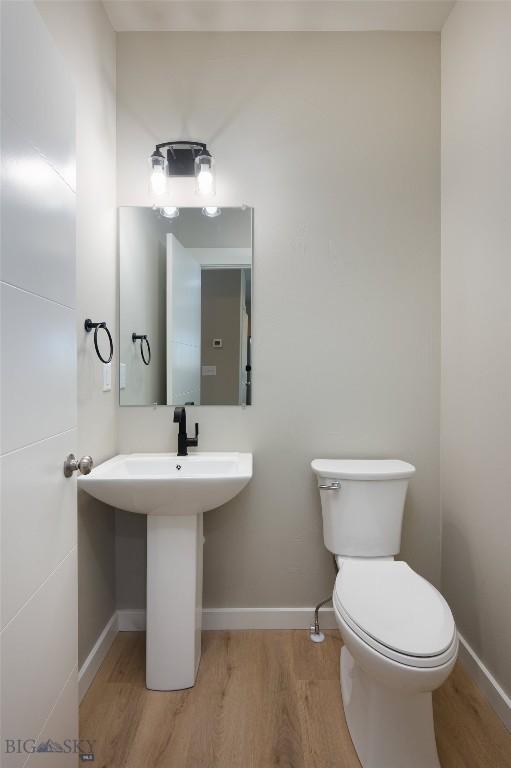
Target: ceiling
276, 15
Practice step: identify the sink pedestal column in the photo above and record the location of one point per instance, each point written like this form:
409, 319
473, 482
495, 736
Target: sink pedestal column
174, 600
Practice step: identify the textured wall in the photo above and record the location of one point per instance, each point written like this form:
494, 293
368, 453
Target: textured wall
334, 139
476, 328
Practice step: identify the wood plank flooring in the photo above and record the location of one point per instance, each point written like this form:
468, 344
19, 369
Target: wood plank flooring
263, 699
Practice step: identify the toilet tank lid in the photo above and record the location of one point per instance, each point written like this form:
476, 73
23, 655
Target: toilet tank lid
363, 469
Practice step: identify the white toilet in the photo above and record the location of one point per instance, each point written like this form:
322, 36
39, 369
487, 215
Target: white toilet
400, 640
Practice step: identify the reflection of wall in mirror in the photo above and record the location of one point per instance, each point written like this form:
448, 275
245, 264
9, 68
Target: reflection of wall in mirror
222, 292
142, 306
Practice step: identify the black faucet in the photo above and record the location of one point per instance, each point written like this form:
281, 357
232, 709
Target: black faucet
183, 441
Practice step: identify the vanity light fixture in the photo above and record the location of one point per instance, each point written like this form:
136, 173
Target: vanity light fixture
182, 158
169, 212
211, 211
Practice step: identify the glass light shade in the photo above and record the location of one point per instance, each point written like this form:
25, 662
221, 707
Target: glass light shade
211, 211
158, 179
169, 212
205, 175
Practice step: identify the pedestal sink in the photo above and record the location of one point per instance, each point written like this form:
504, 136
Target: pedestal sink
173, 491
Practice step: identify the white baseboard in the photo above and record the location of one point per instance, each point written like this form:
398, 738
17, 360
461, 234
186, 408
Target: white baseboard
241, 618
131, 620
95, 658
485, 681
265, 618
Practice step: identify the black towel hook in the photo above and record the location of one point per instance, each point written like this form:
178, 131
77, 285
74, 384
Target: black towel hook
142, 337
89, 325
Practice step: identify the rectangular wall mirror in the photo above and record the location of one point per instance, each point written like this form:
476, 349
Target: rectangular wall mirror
185, 307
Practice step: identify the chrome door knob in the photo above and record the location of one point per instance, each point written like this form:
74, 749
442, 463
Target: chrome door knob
72, 464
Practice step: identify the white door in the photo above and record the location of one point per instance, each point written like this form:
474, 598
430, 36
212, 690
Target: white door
183, 325
38, 584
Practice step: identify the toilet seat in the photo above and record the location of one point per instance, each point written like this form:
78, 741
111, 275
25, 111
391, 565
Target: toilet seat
396, 612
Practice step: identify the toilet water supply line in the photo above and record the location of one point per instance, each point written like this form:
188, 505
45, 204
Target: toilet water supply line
316, 635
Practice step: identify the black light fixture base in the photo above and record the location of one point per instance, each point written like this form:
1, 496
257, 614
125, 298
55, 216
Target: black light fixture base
181, 156
180, 162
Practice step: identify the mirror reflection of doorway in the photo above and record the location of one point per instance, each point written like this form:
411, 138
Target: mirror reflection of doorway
225, 335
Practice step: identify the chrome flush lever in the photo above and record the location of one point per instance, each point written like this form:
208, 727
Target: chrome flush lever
333, 486
72, 464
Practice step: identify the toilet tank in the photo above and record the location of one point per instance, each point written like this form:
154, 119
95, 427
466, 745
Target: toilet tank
362, 501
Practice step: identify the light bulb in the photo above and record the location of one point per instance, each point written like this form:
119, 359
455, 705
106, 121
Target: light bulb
169, 212
158, 179
205, 181
204, 174
211, 211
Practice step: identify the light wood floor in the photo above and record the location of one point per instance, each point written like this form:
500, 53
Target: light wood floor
262, 699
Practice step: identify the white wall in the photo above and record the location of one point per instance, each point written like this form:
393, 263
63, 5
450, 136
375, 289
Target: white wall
87, 41
38, 557
476, 327
142, 270
222, 257
334, 139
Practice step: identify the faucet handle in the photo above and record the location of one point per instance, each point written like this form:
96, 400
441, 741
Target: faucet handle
193, 442
179, 412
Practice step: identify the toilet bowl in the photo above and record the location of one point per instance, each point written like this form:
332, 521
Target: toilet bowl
400, 644
399, 635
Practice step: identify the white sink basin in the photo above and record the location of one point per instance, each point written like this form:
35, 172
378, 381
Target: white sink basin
173, 491
168, 484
